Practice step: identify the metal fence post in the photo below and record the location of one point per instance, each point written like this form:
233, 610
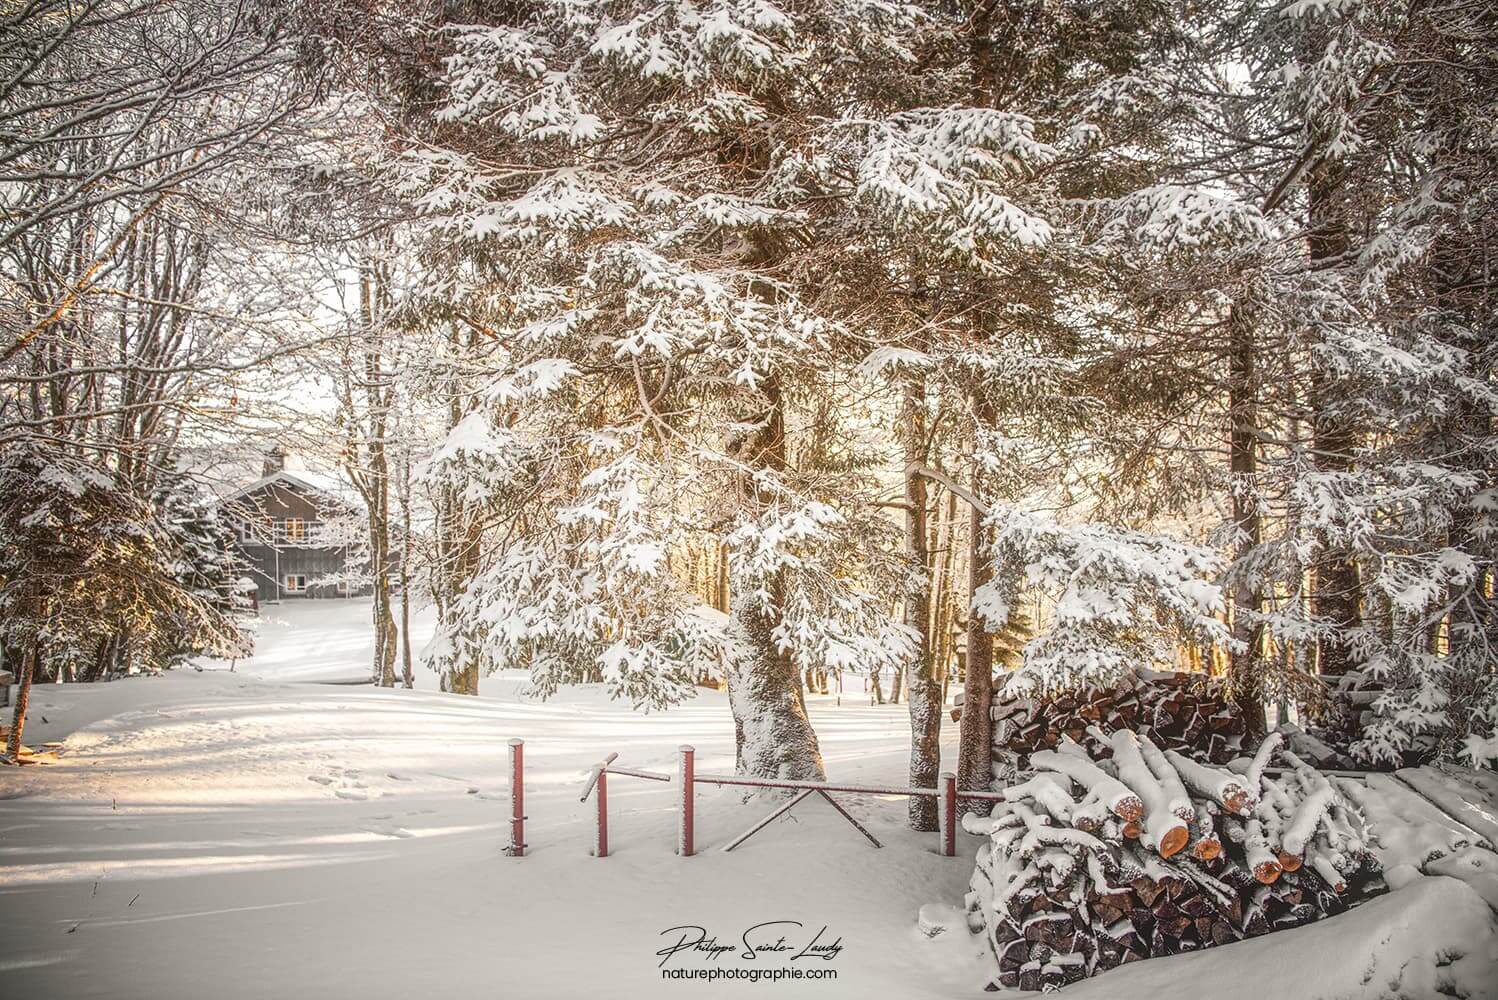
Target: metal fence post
948, 814
684, 833
603, 814
517, 799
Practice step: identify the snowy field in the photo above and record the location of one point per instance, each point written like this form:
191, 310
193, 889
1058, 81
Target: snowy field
246, 834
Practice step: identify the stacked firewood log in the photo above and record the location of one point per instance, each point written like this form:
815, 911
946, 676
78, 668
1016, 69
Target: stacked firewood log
1096, 861
1175, 711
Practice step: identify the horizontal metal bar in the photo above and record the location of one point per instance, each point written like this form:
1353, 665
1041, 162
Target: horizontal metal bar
648, 775
1354, 775
731, 779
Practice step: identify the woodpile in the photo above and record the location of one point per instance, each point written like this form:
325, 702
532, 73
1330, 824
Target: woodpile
1175, 711
1096, 860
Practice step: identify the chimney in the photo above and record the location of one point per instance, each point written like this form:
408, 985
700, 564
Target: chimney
275, 461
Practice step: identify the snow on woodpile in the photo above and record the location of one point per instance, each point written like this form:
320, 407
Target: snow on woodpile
1175, 711
1097, 861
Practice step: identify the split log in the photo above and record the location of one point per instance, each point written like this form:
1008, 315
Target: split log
1164, 831
1263, 862
1205, 846
1121, 800
1227, 789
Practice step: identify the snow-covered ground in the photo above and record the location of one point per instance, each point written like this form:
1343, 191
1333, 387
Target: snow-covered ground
326, 642
243, 835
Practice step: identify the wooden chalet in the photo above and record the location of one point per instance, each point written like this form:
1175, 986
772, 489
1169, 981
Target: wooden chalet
296, 536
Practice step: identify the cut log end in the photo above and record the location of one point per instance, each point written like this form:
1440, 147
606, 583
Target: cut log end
1130, 810
1290, 862
1173, 841
1267, 872
1206, 849
1237, 801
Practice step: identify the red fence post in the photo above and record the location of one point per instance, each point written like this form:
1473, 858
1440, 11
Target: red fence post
603, 814
688, 776
517, 799
949, 814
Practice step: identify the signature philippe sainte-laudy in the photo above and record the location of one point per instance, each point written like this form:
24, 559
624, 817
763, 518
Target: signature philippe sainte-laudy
785, 938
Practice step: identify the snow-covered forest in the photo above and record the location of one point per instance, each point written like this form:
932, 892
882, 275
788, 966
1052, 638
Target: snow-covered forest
1079, 417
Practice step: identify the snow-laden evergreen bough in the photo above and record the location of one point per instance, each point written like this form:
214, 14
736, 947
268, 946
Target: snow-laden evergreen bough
1117, 598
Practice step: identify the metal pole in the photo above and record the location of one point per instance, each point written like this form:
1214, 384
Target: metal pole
949, 814
732, 779
517, 799
603, 814
768, 819
684, 833
849, 817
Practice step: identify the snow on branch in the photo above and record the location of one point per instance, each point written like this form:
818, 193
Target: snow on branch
1120, 597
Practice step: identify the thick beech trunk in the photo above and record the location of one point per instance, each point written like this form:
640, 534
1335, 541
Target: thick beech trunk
775, 736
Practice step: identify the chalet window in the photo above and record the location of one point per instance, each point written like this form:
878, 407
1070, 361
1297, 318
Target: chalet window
343, 586
297, 583
295, 529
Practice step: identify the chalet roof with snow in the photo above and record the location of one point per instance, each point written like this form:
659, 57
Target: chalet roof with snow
290, 481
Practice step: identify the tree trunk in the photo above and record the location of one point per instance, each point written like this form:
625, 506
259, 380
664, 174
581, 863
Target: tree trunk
459, 551
924, 691
18, 714
775, 736
764, 687
975, 735
1337, 594
384, 618
722, 585
408, 675
1247, 686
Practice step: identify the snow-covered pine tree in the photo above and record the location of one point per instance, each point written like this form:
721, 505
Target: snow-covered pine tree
1291, 260
645, 241
85, 570
206, 563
